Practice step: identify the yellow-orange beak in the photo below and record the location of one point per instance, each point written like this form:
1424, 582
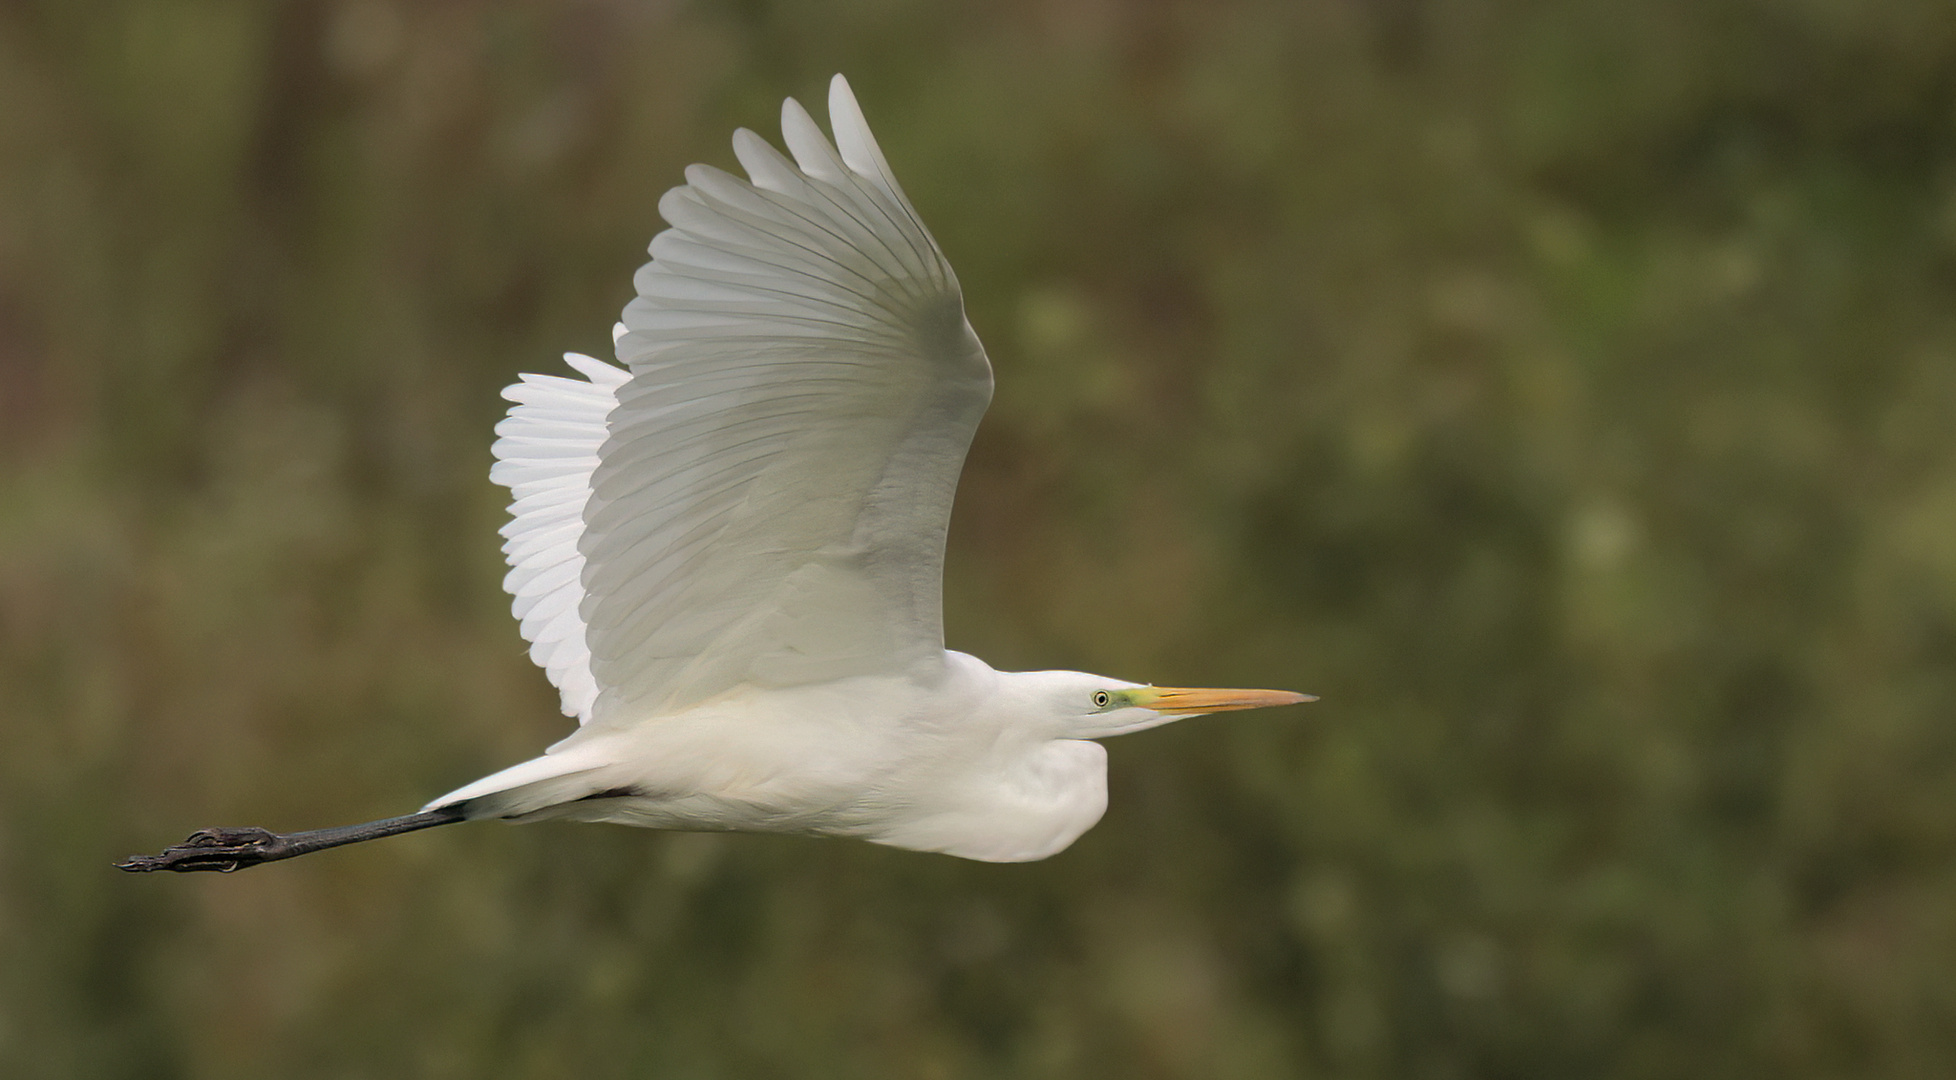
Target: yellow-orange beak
1180, 701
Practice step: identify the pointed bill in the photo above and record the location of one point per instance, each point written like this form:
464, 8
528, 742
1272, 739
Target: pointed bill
1183, 701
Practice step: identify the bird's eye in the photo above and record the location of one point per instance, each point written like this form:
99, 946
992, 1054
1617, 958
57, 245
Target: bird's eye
1100, 699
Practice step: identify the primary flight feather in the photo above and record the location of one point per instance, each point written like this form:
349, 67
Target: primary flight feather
727, 552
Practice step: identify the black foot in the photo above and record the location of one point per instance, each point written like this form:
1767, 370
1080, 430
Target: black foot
223, 850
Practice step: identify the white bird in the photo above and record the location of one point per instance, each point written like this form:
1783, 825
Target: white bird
727, 552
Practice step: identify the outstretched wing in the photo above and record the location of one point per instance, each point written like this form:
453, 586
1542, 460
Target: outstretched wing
770, 496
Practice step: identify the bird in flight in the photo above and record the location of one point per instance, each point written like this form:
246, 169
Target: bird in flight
727, 551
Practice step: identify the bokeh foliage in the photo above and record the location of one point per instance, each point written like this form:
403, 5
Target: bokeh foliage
1565, 391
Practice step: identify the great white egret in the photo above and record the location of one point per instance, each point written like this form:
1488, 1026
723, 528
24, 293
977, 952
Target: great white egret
727, 553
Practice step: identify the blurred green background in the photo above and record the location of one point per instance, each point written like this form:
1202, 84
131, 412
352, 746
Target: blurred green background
1565, 391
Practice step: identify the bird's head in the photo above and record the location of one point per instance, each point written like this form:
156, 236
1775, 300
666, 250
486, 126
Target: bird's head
1096, 707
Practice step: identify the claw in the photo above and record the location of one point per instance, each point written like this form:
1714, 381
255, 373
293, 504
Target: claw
223, 850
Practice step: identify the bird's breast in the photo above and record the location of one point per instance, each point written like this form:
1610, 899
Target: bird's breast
1017, 810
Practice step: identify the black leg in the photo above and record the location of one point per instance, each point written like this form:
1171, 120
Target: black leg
225, 850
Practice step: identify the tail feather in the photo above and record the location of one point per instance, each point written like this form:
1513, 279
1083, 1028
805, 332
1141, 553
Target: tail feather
527, 787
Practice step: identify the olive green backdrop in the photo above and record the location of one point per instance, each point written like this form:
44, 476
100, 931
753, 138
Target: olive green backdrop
1565, 391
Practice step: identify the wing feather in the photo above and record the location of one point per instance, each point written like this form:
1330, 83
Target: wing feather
764, 498
770, 500
546, 450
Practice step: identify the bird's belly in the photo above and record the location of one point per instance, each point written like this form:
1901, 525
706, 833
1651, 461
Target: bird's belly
920, 794
733, 776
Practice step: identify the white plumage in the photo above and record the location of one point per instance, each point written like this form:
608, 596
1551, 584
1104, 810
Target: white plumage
544, 456
727, 554
730, 562
773, 483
